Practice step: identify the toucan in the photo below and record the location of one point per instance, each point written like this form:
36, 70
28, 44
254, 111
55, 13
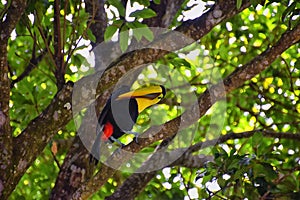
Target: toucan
120, 113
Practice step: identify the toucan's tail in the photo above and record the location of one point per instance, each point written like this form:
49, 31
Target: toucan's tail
95, 151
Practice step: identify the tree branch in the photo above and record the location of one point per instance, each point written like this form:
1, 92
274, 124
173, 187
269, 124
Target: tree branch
98, 19
34, 61
246, 134
165, 13
31, 142
58, 54
8, 22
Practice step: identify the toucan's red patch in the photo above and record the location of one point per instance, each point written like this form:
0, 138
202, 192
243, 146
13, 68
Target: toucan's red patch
108, 131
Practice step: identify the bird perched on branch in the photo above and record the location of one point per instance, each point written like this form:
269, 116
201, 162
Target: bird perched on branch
120, 114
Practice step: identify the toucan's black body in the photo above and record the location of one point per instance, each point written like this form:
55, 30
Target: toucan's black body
121, 112
122, 115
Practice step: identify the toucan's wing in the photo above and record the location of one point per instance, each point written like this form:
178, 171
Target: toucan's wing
103, 114
108, 105
95, 151
125, 113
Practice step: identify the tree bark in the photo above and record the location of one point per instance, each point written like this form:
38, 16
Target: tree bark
12, 16
165, 13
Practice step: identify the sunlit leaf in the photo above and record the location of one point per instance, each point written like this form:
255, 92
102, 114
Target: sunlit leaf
145, 13
123, 38
109, 32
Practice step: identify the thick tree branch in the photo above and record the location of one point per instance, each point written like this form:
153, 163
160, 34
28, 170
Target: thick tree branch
76, 167
98, 20
205, 101
12, 17
8, 22
165, 13
31, 142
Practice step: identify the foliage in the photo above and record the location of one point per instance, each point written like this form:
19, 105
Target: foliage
252, 167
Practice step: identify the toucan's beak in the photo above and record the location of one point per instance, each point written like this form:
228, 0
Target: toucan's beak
150, 92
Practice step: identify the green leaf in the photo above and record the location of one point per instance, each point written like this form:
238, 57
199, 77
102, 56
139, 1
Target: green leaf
145, 13
138, 34
39, 12
264, 170
21, 26
297, 64
135, 24
77, 59
123, 38
141, 2
148, 34
250, 191
238, 4
118, 5
178, 62
234, 163
156, 1
257, 139
118, 23
90, 35
140, 30
270, 173
109, 32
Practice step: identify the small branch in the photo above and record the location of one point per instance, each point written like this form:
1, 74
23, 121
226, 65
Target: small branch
98, 21
54, 155
58, 55
47, 45
34, 61
73, 44
65, 27
247, 134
